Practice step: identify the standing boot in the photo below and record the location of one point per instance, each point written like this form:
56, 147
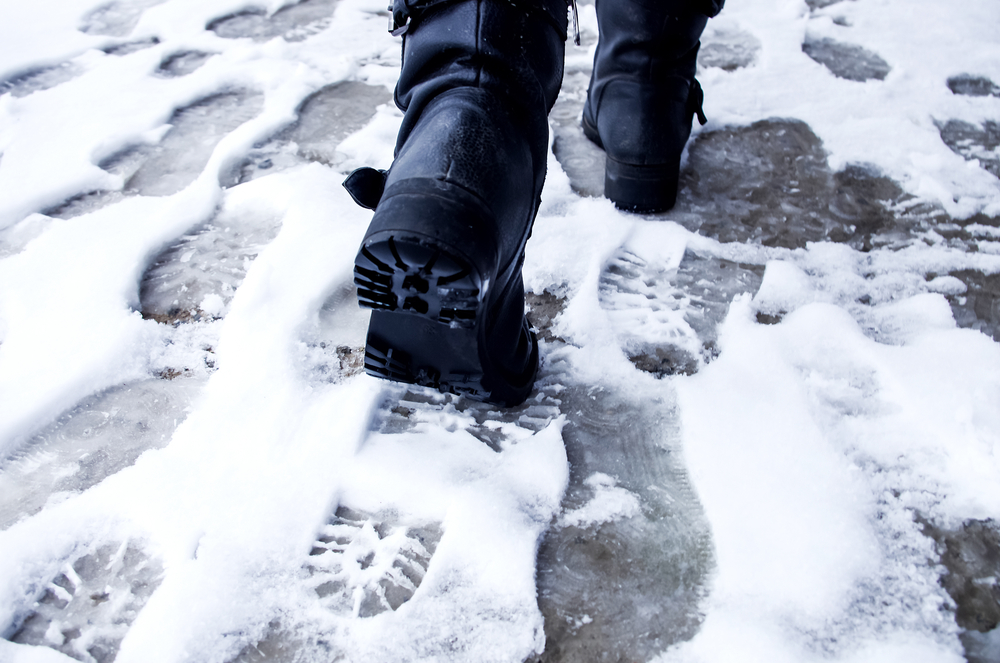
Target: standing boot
643, 95
441, 261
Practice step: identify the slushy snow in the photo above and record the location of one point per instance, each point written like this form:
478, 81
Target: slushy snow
766, 399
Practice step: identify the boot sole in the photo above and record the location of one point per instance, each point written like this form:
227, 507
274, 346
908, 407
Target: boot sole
637, 188
432, 301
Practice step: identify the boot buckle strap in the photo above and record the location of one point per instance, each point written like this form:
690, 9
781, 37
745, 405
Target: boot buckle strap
366, 186
397, 29
402, 13
696, 102
399, 18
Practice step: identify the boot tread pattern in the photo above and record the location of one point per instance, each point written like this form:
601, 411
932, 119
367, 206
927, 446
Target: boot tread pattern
405, 275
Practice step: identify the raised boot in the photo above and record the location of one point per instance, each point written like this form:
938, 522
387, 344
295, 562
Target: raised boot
441, 261
643, 95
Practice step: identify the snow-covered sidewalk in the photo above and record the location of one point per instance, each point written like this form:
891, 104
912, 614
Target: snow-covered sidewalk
767, 425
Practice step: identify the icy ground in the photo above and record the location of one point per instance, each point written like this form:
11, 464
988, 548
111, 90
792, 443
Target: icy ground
767, 426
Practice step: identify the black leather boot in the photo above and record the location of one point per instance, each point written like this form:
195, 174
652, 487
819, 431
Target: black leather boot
643, 95
441, 262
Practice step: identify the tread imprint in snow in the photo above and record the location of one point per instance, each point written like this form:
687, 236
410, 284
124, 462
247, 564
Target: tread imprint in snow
116, 19
182, 63
682, 308
293, 23
95, 439
974, 143
39, 79
86, 610
728, 49
363, 564
848, 61
177, 160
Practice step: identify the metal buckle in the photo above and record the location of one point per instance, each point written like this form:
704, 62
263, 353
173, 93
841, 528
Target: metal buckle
395, 29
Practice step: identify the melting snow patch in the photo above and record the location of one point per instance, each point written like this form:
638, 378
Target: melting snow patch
610, 502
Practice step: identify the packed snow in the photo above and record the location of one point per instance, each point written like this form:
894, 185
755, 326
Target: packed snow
766, 426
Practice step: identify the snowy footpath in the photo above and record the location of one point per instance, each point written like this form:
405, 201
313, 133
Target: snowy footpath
767, 423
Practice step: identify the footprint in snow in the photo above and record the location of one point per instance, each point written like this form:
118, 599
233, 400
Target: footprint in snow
116, 19
973, 86
98, 437
631, 531
129, 47
189, 286
324, 120
979, 306
405, 409
196, 278
848, 61
296, 22
974, 143
181, 156
182, 63
787, 195
726, 46
970, 553
364, 564
360, 565
177, 160
38, 79
87, 608
667, 319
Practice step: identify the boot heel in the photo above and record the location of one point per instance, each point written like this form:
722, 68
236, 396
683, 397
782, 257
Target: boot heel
442, 317
641, 188
419, 351
429, 300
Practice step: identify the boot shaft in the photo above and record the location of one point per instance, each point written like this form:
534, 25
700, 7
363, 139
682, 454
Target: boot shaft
643, 95
478, 79
648, 40
513, 50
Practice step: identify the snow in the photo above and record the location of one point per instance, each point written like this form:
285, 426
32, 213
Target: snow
609, 503
193, 468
